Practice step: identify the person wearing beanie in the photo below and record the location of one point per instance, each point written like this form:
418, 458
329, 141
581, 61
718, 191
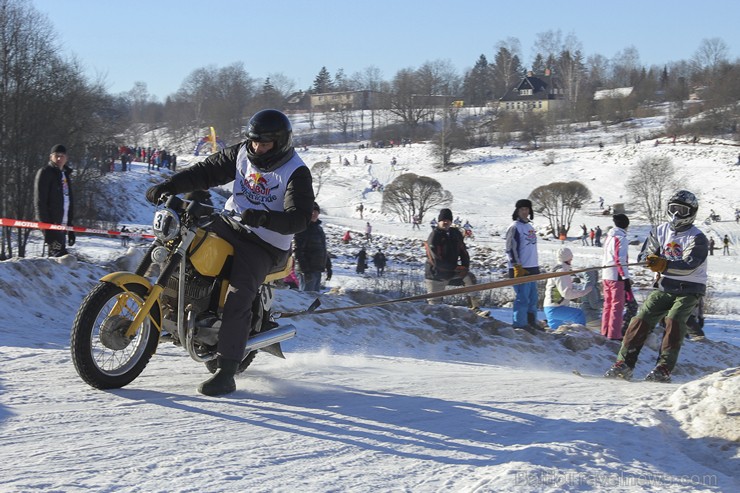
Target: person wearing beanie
521, 250
560, 290
616, 282
448, 261
54, 201
311, 255
444, 215
58, 149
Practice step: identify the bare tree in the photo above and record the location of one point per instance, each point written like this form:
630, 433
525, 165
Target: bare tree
650, 184
558, 202
450, 138
343, 119
43, 99
548, 44
411, 195
415, 94
320, 172
406, 101
709, 57
370, 79
221, 98
534, 127
626, 67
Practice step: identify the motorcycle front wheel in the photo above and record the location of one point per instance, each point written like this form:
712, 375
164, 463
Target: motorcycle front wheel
102, 355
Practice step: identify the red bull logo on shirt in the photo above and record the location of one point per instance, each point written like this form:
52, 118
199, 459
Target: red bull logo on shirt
673, 250
257, 189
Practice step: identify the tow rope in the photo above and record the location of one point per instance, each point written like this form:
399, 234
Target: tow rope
311, 310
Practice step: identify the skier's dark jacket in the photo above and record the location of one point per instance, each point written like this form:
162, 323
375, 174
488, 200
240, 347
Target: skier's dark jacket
49, 196
310, 249
446, 247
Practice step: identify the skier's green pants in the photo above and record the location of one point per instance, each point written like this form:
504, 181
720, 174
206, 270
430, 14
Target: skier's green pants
676, 310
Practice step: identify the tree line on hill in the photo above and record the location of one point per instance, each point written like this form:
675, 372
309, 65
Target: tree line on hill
45, 99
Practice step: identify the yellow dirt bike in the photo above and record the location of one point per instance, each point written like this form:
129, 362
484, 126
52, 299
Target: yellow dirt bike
122, 320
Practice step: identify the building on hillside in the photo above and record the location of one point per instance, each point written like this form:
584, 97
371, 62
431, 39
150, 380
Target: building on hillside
540, 93
298, 101
616, 93
346, 100
614, 104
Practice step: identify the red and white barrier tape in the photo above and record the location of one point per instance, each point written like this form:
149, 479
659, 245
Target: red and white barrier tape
15, 223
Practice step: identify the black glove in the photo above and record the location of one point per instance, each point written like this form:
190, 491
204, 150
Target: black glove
328, 274
71, 238
154, 194
628, 284
255, 217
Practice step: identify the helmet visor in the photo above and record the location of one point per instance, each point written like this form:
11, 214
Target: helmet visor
254, 136
679, 210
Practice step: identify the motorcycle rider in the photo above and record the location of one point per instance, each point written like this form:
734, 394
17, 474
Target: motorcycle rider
273, 193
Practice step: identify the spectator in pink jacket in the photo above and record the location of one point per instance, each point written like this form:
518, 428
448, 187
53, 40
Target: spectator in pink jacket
616, 278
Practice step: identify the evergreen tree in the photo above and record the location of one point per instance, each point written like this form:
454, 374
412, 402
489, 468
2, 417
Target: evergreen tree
322, 83
507, 69
478, 85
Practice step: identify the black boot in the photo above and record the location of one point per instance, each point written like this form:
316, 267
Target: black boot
222, 382
532, 321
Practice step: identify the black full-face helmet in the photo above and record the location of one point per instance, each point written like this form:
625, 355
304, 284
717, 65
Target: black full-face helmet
682, 209
270, 126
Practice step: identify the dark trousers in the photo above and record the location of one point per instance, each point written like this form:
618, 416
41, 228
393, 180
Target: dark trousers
676, 310
56, 242
250, 266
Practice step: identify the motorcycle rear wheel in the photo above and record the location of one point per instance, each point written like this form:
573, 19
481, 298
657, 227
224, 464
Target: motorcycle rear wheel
101, 354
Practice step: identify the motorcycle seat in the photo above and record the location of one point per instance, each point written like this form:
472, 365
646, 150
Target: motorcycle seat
280, 271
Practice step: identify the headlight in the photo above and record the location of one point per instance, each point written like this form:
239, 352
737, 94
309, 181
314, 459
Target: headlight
166, 225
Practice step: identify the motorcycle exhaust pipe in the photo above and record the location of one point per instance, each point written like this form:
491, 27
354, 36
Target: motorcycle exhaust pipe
272, 336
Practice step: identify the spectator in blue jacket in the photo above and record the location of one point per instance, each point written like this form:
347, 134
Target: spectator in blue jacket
521, 250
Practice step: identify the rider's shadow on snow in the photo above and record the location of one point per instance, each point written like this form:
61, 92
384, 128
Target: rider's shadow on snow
444, 431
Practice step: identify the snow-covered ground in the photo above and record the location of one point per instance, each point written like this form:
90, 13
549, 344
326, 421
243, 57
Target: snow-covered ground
407, 397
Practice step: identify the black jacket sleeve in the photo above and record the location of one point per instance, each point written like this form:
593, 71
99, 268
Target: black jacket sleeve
298, 204
464, 255
220, 168
216, 169
71, 211
41, 195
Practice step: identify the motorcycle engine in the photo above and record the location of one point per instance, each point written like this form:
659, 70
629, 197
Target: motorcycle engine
197, 290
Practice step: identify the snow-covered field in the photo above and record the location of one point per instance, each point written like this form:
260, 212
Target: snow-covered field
407, 397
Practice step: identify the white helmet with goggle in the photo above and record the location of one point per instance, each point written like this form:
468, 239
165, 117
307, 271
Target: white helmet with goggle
682, 209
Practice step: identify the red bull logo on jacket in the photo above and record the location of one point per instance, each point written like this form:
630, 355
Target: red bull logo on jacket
673, 250
257, 189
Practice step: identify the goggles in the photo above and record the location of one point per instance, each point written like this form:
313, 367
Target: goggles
680, 210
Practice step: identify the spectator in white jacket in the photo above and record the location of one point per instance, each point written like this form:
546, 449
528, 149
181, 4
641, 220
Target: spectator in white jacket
558, 293
616, 278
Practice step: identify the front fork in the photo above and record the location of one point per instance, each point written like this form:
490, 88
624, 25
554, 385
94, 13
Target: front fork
154, 293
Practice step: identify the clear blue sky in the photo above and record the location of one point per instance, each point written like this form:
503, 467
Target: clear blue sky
160, 42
